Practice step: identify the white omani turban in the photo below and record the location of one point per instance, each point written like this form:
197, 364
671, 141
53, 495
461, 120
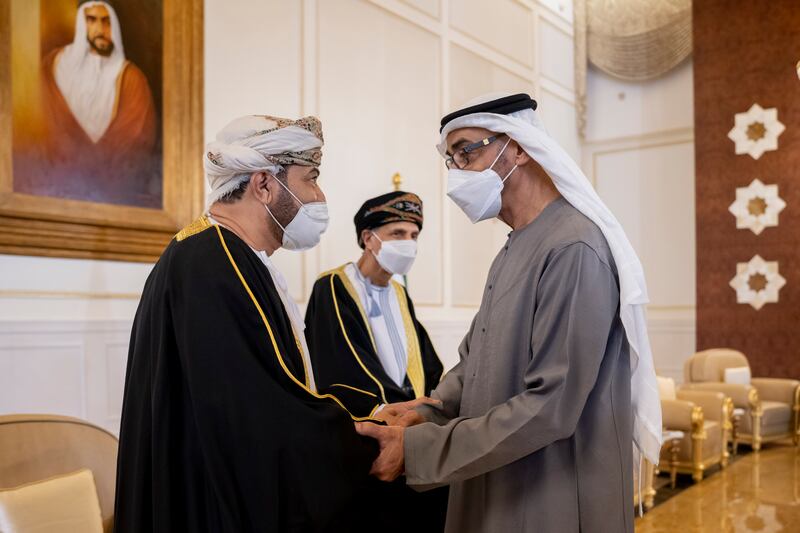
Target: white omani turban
259, 143
525, 127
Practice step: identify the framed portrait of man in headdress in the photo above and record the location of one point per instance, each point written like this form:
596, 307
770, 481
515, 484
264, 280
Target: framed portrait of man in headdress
100, 125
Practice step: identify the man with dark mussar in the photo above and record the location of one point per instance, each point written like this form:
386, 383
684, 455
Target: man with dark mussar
370, 350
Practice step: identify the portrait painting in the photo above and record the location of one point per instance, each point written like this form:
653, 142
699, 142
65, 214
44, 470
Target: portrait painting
94, 87
86, 98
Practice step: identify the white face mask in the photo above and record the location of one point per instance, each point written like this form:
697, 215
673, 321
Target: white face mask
397, 256
306, 228
477, 193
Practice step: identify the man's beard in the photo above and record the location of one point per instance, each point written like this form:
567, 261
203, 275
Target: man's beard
284, 212
105, 52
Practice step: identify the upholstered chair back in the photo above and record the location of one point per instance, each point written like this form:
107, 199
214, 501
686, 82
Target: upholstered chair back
36, 447
710, 365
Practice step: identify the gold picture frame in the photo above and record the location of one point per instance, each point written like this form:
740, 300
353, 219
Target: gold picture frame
59, 227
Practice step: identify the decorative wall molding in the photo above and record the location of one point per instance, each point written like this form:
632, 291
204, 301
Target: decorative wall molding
68, 295
556, 89
593, 150
672, 339
94, 355
62, 367
560, 20
646, 139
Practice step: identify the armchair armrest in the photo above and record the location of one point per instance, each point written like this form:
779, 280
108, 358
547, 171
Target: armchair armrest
677, 414
745, 396
777, 390
712, 402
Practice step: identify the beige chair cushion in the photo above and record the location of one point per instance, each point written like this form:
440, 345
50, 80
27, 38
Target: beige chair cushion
739, 375
666, 388
61, 504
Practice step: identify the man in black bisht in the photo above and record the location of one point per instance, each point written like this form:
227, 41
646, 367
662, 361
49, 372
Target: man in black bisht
368, 348
223, 428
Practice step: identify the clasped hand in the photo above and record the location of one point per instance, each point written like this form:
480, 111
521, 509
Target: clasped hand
390, 463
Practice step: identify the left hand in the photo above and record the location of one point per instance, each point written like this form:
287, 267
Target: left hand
410, 418
391, 461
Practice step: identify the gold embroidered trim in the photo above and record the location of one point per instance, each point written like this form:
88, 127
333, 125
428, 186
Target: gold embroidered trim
355, 389
350, 344
194, 228
272, 335
351, 290
414, 370
302, 357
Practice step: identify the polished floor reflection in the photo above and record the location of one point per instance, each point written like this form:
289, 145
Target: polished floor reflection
759, 492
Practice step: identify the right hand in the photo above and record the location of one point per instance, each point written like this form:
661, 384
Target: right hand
403, 414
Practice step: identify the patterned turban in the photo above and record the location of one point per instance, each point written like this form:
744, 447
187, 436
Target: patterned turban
259, 143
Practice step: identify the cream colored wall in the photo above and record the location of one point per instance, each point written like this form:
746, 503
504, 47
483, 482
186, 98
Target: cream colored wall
639, 153
380, 74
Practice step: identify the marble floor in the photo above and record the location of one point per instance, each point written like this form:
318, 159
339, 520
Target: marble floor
760, 492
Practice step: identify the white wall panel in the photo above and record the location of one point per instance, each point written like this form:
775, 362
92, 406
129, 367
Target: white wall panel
473, 246
559, 66
626, 109
563, 8
73, 368
651, 191
672, 339
253, 66
114, 367
506, 26
429, 7
378, 101
558, 116
42, 378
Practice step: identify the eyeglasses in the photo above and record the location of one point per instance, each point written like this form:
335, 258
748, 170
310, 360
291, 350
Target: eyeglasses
460, 158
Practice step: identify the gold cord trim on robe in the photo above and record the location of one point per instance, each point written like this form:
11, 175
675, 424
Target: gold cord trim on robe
350, 344
302, 356
272, 335
355, 389
414, 369
348, 285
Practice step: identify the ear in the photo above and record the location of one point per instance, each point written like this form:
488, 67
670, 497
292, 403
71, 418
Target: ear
366, 237
521, 157
261, 187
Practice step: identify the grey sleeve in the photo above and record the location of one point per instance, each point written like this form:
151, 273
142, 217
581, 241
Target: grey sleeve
577, 299
449, 389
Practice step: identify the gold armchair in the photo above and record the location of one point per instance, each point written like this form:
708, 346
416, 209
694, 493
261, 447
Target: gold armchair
772, 406
705, 419
36, 447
